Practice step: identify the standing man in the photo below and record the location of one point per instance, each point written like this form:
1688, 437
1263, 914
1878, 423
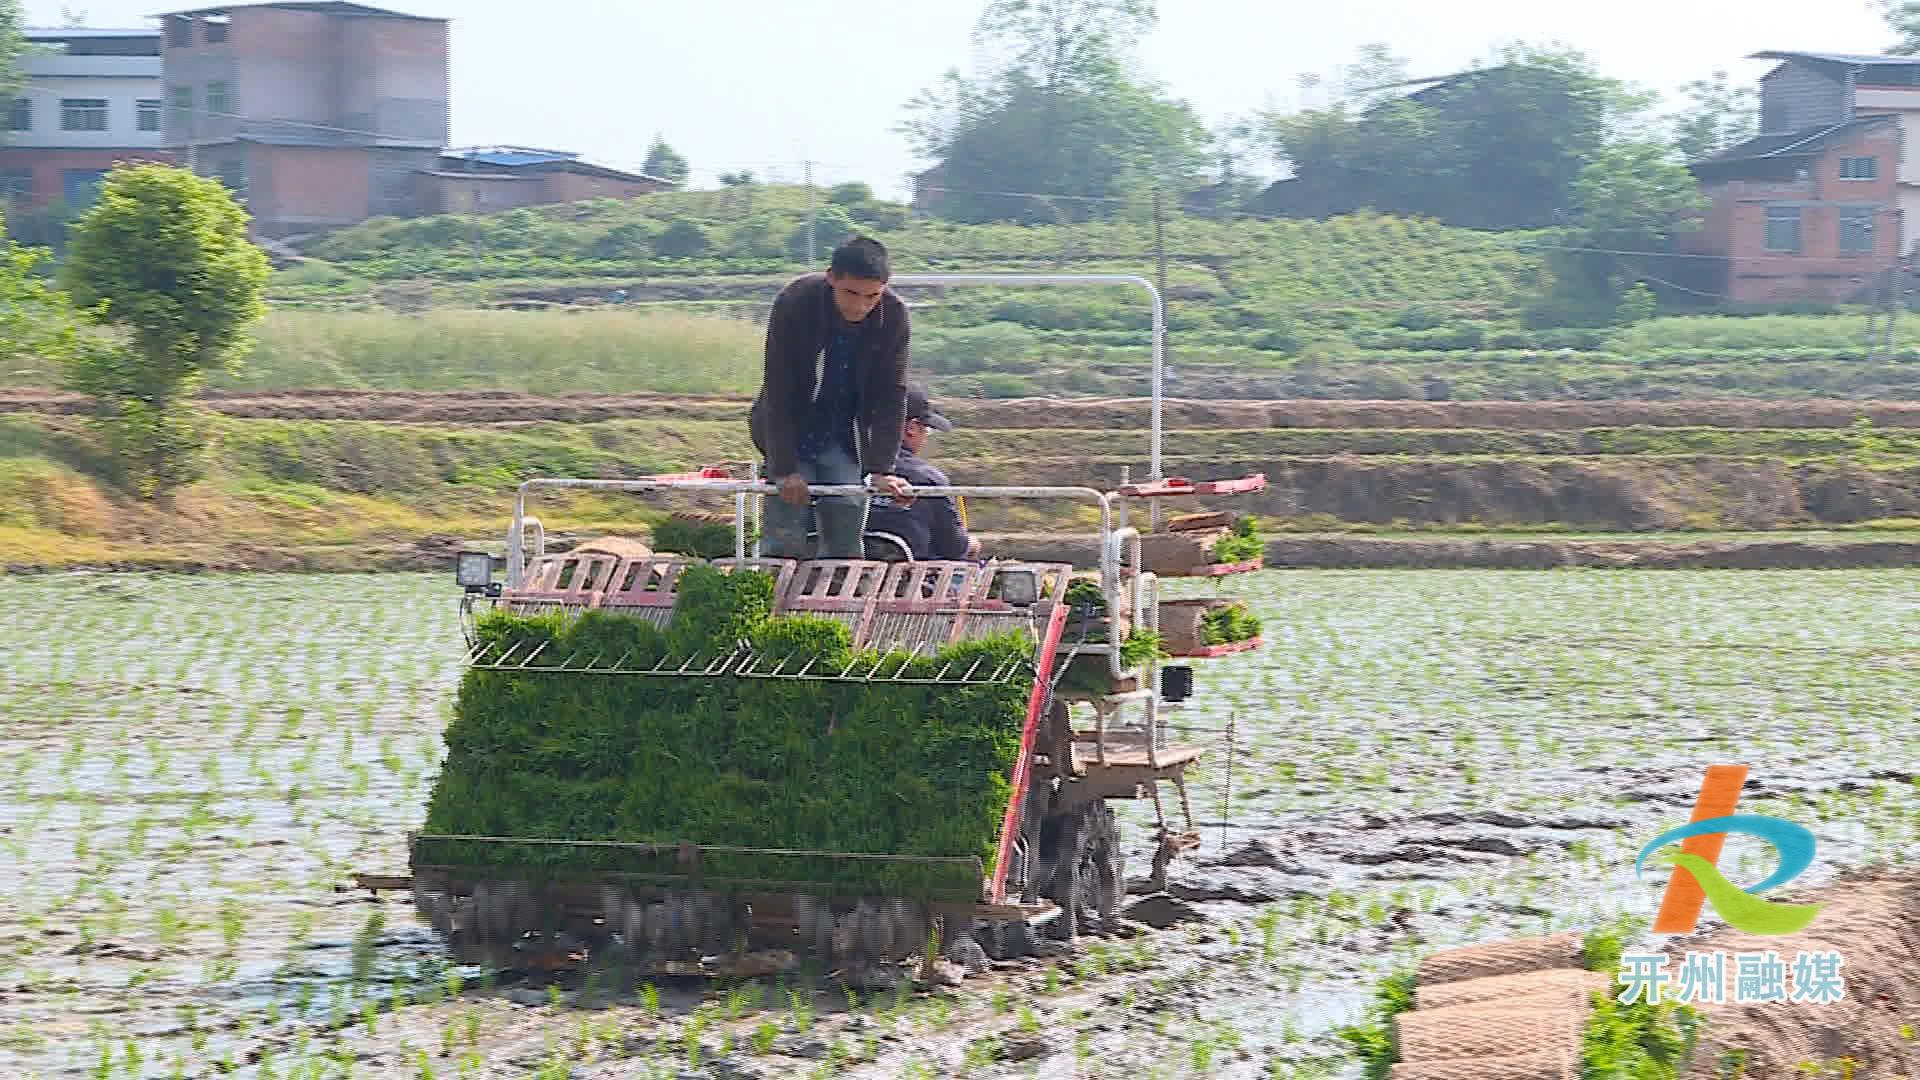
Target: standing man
832, 400
930, 525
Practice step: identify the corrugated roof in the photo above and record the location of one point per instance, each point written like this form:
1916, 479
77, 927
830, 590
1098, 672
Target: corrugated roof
54, 33
1806, 142
1845, 59
509, 156
324, 7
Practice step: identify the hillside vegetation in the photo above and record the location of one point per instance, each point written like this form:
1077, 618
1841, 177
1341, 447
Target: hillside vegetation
1361, 306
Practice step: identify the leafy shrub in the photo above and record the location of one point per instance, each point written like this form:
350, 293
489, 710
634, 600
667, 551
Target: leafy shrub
801, 765
962, 350
1423, 316
627, 240
682, 240
831, 224
849, 194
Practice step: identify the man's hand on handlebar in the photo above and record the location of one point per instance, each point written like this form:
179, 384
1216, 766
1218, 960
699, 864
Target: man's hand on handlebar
793, 489
895, 487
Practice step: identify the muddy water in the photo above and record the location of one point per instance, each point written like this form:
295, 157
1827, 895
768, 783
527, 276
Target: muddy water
193, 765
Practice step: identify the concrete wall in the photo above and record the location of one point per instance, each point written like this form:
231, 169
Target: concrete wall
393, 179
46, 91
1797, 95
315, 75
395, 79
196, 66
289, 69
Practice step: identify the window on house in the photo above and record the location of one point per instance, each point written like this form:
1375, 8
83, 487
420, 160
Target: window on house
1859, 168
1856, 229
180, 32
16, 184
216, 29
83, 114
1783, 228
218, 103
20, 115
146, 114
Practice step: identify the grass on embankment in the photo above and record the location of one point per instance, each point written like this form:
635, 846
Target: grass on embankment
328, 493
587, 352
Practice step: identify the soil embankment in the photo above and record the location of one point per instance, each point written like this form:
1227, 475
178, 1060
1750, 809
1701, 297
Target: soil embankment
505, 406
1456, 475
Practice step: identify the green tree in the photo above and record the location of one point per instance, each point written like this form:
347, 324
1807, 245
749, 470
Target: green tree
1719, 115
12, 45
684, 239
164, 259
850, 194
1059, 114
37, 321
831, 224
1632, 197
1903, 18
664, 162
1498, 147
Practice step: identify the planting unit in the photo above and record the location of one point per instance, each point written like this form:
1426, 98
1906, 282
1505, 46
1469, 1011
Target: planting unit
594, 684
693, 747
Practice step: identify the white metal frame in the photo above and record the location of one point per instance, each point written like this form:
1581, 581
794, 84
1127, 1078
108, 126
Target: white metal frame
1116, 540
1153, 294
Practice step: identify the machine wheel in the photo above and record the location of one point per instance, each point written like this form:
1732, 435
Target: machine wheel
1088, 870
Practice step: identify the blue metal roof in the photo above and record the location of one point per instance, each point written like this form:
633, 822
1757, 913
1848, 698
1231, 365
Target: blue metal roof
509, 156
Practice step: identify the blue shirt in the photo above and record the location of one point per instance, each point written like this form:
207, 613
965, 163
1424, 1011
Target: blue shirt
931, 526
836, 402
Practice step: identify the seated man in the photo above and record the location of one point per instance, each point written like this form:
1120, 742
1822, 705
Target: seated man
930, 526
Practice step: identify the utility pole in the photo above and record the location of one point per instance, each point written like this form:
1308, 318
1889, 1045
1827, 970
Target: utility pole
1159, 246
810, 220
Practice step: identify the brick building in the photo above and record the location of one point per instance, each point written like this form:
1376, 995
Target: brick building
1827, 196
89, 98
1810, 214
482, 180
318, 113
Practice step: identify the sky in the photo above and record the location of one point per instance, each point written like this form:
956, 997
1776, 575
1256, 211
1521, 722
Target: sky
766, 85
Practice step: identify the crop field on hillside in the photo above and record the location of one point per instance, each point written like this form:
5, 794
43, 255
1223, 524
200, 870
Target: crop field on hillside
193, 765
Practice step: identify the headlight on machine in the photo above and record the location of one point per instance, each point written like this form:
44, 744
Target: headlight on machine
473, 570
1019, 587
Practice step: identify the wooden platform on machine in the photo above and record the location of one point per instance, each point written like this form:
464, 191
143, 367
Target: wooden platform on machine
1163, 762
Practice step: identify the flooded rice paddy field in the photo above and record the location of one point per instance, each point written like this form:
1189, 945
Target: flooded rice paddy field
193, 765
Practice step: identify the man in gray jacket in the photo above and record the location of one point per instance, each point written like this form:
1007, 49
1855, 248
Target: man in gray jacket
832, 400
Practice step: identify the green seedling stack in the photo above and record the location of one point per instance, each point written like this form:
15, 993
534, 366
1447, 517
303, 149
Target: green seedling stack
802, 765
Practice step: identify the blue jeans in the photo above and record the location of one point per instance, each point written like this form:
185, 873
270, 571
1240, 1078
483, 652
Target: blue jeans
842, 518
